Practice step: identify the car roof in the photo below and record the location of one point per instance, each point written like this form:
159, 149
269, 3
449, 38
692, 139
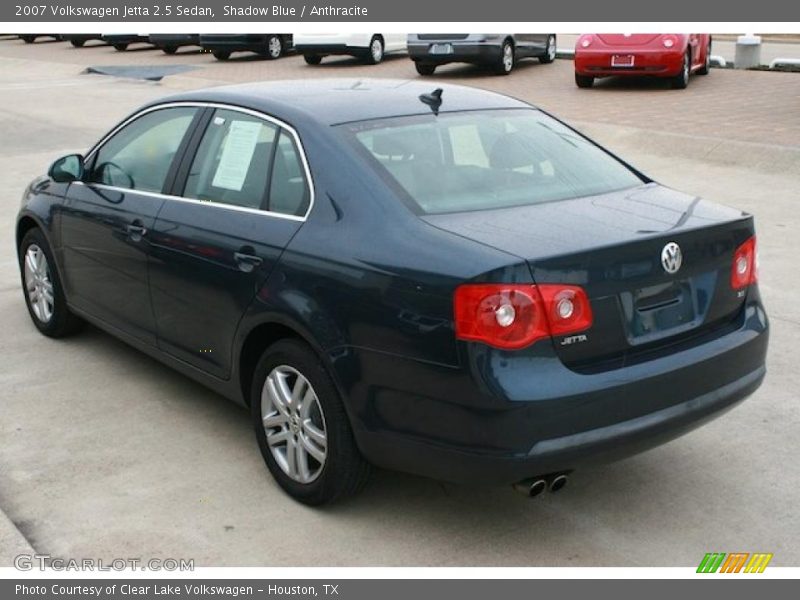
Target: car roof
334, 101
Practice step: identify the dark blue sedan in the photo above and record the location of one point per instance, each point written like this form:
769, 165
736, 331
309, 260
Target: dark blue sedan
448, 281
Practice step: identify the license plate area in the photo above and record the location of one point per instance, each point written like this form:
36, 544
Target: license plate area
441, 49
661, 310
622, 60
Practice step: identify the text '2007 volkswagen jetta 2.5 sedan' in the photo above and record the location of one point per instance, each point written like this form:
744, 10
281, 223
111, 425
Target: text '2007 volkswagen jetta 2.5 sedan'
447, 282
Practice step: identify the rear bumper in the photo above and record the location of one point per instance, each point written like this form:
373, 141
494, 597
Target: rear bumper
469, 52
541, 417
597, 63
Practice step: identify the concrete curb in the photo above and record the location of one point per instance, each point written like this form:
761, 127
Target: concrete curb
752, 156
12, 542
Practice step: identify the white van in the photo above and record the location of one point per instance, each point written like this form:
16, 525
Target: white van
371, 47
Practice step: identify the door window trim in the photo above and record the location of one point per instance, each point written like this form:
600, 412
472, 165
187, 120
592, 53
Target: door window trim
210, 105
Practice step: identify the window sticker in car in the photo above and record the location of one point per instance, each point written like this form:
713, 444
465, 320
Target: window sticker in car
237, 153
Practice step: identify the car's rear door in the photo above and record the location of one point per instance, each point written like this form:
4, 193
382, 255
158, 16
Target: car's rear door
107, 218
241, 193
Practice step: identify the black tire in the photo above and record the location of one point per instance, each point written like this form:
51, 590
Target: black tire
169, 49
706, 68
424, 68
312, 59
681, 80
503, 66
120, 47
274, 47
28, 39
221, 54
550, 50
77, 43
375, 55
584, 81
344, 471
62, 322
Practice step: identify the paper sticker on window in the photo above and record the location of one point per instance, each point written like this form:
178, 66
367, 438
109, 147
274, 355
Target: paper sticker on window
240, 144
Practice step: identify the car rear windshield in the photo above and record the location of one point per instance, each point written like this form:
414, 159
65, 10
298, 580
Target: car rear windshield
478, 160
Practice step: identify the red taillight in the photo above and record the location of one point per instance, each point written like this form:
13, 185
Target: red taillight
744, 270
512, 316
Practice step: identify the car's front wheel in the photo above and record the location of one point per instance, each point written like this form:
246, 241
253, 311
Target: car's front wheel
44, 295
28, 39
120, 47
169, 49
550, 51
77, 43
274, 47
221, 54
302, 428
375, 51
506, 62
312, 59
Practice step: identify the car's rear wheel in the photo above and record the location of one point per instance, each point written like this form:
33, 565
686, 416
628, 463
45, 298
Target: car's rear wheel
77, 43
375, 51
506, 61
44, 295
681, 80
120, 47
28, 39
221, 54
550, 51
424, 69
169, 49
274, 47
302, 428
312, 59
584, 81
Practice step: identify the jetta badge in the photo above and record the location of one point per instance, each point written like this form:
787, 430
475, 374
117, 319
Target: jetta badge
671, 258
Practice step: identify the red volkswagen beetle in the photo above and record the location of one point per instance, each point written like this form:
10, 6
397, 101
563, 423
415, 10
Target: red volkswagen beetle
672, 55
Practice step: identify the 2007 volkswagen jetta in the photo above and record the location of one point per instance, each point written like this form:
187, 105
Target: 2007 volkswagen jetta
448, 282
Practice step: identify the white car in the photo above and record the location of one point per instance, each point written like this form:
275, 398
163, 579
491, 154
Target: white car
369, 46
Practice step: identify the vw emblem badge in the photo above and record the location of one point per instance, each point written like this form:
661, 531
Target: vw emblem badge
671, 258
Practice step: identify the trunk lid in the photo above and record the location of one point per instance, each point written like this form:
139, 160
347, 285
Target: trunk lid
612, 246
632, 39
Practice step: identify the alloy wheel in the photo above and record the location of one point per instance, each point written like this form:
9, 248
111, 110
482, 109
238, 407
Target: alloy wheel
551, 48
376, 50
38, 284
294, 424
274, 46
508, 57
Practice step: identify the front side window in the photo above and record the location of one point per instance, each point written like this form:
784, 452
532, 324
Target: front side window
482, 160
138, 157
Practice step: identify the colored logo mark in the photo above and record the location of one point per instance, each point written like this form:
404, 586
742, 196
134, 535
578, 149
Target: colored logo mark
735, 562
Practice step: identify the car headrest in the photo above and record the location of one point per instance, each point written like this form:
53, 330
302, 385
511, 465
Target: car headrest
512, 151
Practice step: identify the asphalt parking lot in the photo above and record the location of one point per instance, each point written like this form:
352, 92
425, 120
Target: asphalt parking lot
106, 453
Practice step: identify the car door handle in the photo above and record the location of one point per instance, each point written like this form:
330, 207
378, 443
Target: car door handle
247, 262
136, 230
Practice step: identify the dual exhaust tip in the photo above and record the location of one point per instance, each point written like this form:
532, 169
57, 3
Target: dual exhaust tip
534, 486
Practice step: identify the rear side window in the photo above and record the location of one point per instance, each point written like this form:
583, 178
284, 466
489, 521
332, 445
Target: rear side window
138, 157
480, 160
232, 163
245, 161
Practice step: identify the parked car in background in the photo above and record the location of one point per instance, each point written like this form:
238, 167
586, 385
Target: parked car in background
170, 42
448, 281
79, 39
121, 41
499, 51
268, 45
370, 47
30, 38
672, 55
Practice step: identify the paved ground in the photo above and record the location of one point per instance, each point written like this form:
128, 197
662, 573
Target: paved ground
106, 453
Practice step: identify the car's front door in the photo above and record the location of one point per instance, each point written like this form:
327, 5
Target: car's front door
244, 191
107, 218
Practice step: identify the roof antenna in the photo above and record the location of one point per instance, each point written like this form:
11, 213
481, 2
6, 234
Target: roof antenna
434, 100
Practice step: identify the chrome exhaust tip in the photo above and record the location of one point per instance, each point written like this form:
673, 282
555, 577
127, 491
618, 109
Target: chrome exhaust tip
557, 482
531, 487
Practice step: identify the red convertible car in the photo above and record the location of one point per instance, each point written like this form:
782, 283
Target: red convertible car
672, 55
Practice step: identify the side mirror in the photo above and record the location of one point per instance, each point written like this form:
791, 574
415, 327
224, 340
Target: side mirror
67, 169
